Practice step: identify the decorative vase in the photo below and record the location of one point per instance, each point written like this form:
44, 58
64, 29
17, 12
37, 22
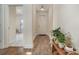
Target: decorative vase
68, 49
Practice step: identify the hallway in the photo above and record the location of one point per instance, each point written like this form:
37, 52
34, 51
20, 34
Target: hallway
42, 45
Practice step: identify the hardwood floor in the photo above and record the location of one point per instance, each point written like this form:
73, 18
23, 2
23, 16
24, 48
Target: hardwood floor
41, 47
11, 51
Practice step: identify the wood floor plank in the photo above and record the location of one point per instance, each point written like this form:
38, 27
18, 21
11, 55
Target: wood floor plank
41, 47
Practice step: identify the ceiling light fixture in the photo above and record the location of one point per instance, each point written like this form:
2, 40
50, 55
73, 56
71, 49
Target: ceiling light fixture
42, 8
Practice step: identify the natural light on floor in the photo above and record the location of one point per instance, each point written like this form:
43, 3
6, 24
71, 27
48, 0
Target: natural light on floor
28, 53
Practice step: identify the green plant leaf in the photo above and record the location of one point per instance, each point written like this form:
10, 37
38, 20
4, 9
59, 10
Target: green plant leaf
59, 35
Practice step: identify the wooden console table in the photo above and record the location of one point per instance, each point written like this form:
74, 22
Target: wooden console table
60, 51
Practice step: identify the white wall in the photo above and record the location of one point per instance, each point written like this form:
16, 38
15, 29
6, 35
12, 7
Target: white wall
12, 23
4, 17
68, 19
6, 26
34, 22
1, 26
27, 13
50, 14
55, 16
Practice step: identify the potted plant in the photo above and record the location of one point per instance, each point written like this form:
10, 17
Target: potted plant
59, 36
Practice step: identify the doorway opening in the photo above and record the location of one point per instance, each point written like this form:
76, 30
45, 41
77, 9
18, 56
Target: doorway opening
20, 25
16, 25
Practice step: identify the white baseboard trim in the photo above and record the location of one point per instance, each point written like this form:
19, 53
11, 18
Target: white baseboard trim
28, 46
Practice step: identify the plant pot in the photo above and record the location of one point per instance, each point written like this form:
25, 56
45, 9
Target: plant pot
56, 41
68, 49
61, 45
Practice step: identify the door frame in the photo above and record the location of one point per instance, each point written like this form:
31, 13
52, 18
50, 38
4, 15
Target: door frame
50, 19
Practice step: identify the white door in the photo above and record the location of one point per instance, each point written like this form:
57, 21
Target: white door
42, 23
